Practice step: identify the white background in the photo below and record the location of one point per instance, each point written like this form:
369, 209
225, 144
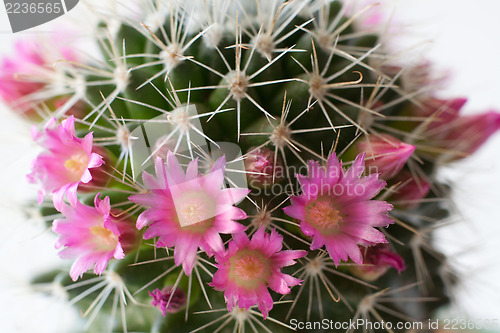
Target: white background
457, 35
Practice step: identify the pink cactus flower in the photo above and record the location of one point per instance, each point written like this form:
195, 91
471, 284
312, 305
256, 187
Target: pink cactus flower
11, 89
187, 210
66, 162
377, 261
166, 302
91, 235
250, 267
30, 60
336, 208
385, 154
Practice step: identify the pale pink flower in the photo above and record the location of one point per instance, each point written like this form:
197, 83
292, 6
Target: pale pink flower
187, 210
11, 89
66, 162
376, 262
336, 208
166, 302
250, 267
91, 235
19, 73
385, 154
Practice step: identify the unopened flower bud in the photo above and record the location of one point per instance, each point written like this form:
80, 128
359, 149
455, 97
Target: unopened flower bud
162, 146
376, 262
78, 110
262, 169
410, 190
453, 135
385, 154
166, 302
467, 133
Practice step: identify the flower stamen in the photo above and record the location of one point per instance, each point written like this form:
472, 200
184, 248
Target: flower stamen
323, 215
77, 164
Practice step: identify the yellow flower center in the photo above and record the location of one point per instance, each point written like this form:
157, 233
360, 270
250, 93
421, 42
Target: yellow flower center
77, 164
248, 268
195, 211
323, 215
104, 237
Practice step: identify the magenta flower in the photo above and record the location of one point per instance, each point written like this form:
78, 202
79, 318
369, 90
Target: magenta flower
458, 135
377, 261
188, 211
336, 208
467, 133
162, 297
66, 162
385, 154
249, 267
91, 235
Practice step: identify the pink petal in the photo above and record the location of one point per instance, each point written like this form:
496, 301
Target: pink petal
79, 267
95, 160
297, 212
287, 257
219, 164
86, 176
175, 174
57, 197
71, 194
213, 240
192, 170
233, 195
265, 301
277, 284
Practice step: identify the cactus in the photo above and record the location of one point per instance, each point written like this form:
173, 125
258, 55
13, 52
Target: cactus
242, 166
